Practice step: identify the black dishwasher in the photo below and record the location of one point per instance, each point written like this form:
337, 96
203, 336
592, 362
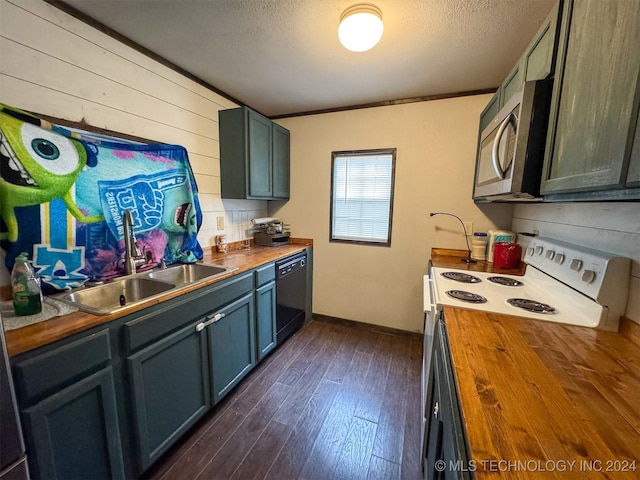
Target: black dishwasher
291, 294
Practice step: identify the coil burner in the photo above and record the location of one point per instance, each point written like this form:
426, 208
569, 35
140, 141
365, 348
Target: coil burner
466, 296
506, 281
531, 305
461, 277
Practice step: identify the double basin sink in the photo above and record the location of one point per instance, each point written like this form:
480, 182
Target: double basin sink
127, 292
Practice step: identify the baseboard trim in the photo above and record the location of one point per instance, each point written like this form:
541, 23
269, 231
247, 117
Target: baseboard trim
318, 317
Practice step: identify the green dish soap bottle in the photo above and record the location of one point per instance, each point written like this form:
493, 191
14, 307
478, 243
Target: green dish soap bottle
27, 295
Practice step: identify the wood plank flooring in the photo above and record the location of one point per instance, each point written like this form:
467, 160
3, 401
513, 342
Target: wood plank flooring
336, 401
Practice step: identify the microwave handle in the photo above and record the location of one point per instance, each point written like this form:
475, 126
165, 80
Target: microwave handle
496, 145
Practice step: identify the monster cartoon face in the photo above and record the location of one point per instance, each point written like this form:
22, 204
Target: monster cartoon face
36, 166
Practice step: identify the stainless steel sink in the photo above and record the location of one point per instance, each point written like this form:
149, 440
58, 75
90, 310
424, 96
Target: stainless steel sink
124, 293
116, 295
189, 273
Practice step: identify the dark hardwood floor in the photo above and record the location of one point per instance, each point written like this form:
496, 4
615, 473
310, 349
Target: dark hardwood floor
335, 401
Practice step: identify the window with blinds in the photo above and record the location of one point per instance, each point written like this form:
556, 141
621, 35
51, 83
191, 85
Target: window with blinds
362, 196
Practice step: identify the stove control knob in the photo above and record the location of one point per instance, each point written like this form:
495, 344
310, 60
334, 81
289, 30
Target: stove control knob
576, 264
550, 254
530, 251
588, 276
559, 258
539, 250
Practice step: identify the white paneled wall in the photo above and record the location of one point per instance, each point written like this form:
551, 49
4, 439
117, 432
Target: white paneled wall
53, 64
610, 226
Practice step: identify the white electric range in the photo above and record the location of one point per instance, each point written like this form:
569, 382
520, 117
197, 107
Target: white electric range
563, 283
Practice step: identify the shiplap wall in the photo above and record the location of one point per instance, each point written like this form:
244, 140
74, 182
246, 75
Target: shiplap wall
54, 64
610, 226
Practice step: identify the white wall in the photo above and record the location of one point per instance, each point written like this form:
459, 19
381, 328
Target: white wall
610, 226
436, 143
53, 64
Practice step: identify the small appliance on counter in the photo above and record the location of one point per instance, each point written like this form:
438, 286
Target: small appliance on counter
270, 232
498, 236
506, 254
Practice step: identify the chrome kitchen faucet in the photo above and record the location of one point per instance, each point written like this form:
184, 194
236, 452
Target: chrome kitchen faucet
132, 256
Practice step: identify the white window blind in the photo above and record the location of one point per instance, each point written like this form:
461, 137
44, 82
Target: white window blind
362, 196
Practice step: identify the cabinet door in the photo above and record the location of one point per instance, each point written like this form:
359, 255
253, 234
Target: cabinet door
259, 156
512, 84
540, 55
266, 319
170, 390
74, 433
434, 433
593, 98
232, 348
281, 161
490, 111
633, 177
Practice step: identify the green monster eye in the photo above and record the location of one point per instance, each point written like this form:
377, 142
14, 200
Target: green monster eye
45, 149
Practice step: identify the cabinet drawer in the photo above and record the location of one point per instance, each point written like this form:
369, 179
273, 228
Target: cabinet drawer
173, 314
265, 274
45, 374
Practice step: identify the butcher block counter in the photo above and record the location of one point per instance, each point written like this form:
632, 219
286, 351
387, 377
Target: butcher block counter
545, 400
36, 335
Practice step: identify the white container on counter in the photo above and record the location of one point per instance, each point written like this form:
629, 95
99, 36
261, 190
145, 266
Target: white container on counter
495, 236
479, 246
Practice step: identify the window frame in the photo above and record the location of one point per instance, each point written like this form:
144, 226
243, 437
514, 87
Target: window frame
363, 153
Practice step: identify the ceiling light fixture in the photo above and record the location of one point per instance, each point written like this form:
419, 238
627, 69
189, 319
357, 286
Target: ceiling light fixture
360, 27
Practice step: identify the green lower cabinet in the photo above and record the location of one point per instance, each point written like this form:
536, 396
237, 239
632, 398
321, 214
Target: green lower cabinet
266, 319
74, 433
232, 350
170, 390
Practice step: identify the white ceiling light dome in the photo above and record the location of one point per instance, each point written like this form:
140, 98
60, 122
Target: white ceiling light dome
360, 27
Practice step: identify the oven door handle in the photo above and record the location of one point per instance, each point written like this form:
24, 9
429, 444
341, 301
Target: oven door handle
428, 294
495, 154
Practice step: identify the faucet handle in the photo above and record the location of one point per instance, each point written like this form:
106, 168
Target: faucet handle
163, 263
136, 253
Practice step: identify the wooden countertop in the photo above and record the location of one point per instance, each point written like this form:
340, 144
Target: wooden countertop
33, 336
448, 258
546, 394
545, 400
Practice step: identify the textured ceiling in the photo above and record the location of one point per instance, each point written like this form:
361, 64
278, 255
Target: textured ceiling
283, 56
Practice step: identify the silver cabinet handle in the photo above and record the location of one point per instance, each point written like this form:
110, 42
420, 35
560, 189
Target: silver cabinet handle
496, 144
435, 410
210, 319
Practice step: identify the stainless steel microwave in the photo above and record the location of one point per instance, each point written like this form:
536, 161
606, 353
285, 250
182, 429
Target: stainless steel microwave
511, 147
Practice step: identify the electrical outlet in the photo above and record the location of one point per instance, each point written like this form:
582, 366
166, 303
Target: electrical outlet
220, 223
468, 228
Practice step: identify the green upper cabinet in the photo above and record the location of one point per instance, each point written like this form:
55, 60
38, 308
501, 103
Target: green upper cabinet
537, 63
633, 177
539, 58
512, 84
490, 111
259, 156
594, 107
254, 156
281, 161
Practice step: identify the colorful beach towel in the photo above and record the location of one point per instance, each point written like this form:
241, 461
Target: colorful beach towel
63, 192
